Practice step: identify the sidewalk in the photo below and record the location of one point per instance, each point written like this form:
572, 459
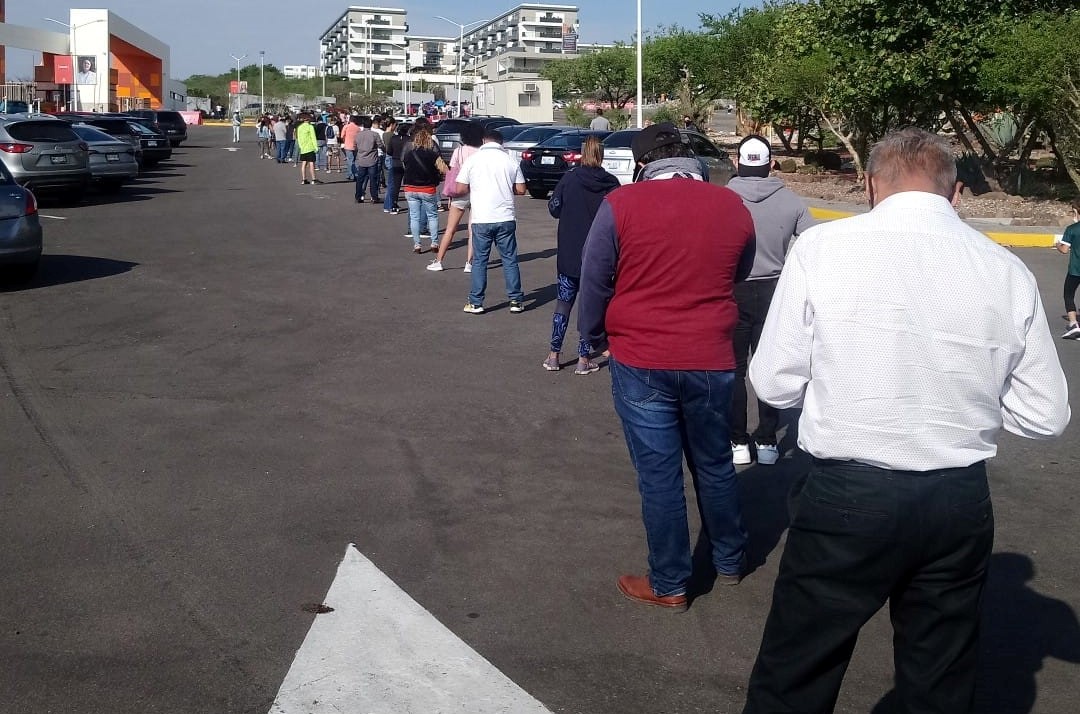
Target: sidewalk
1012, 236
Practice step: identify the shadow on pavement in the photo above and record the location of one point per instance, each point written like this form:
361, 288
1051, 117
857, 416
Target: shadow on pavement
1020, 629
64, 269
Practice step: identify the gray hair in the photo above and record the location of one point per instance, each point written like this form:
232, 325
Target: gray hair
913, 152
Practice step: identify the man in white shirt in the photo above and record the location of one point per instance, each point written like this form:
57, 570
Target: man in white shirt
907, 391
492, 179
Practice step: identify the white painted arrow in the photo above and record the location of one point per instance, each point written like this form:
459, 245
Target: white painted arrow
380, 652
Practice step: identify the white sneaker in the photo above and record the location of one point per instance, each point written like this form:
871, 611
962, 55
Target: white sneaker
474, 309
467, 268
767, 454
740, 454
1073, 333
434, 265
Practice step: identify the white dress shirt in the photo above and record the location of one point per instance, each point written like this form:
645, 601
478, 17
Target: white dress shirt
909, 339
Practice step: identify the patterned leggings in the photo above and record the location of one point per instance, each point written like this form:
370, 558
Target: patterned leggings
568, 290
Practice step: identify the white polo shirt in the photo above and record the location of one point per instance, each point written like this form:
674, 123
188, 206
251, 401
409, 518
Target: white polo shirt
490, 174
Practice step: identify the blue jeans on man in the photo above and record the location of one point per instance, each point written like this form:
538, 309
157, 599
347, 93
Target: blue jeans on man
367, 175
281, 145
320, 156
350, 168
504, 237
667, 414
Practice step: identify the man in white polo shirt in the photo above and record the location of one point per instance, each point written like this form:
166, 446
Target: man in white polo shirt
492, 179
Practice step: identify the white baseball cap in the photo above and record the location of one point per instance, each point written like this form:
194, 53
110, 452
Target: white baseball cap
754, 151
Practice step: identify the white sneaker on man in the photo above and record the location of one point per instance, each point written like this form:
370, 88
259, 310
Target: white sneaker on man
767, 454
467, 268
740, 454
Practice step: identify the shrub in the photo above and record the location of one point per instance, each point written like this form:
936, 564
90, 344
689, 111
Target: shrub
788, 166
576, 115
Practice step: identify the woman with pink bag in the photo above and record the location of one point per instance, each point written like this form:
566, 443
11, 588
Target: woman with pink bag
472, 137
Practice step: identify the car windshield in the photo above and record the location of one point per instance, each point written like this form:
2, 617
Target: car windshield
538, 133
620, 140
140, 129
451, 126
89, 133
564, 141
50, 130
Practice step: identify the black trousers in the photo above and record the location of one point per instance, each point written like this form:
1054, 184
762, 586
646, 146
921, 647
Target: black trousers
753, 298
860, 537
1072, 282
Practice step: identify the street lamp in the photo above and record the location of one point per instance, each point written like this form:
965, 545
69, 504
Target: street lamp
71, 33
238, 78
404, 77
262, 84
638, 102
461, 49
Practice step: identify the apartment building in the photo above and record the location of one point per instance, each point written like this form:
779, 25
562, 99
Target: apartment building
366, 42
373, 42
300, 71
521, 41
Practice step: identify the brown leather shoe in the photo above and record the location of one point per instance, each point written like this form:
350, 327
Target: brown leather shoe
638, 589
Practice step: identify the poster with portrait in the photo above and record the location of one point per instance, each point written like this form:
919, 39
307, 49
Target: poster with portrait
86, 70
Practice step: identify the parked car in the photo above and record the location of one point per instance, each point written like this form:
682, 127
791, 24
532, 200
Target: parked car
448, 131
112, 161
172, 123
530, 136
44, 154
619, 159
544, 164
119, 129
155, 145
20, 228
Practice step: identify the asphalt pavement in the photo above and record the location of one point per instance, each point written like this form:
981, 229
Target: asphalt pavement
221, 378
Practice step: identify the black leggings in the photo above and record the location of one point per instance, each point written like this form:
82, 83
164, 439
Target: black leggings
1072, 282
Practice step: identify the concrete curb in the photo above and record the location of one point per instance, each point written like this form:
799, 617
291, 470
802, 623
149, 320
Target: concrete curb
1038, 238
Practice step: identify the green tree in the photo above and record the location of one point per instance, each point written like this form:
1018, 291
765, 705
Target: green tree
610, 75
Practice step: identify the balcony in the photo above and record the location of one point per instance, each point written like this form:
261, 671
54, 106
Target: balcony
550, 19
377, 21
550, 50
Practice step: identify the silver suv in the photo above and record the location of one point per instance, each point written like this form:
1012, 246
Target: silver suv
45, 155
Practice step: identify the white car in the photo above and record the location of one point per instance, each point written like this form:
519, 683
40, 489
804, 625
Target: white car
619, 159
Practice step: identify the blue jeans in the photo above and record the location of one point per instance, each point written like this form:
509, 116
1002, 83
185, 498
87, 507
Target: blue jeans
281, 145
367, 175
667, 414
421, 206
350, 170
504, 236
320, 156
388, 201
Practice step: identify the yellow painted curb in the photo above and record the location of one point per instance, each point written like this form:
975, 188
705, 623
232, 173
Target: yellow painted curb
1015, 240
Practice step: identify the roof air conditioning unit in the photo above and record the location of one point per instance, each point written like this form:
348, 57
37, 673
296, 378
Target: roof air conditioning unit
530, 87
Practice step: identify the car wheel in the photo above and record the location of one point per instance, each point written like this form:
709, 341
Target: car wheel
538, 192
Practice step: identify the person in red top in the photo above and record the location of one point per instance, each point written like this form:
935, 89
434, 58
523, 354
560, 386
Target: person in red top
657, 290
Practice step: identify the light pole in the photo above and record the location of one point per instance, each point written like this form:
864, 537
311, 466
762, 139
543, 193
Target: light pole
638, 102
262, 82
404, 76
460, 49
71, 33
238, 79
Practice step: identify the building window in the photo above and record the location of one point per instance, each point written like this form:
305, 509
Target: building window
529, 99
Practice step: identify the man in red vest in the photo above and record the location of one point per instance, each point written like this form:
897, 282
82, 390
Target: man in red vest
657, 290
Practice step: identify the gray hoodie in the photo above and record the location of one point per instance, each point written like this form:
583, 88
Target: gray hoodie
778, 215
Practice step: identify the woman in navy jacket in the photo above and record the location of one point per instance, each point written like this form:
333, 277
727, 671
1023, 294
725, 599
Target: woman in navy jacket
576, 200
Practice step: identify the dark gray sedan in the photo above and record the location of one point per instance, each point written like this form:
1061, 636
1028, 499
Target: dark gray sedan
20, 229
112, 161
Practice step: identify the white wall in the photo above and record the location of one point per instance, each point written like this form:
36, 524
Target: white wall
504, 97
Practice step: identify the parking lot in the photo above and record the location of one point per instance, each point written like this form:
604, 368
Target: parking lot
220, 378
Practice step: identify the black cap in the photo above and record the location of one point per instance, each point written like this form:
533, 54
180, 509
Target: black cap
653, 137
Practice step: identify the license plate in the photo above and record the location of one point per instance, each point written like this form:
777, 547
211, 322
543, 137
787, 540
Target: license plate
448, 145
112, 157
613, 165
547, 159
151, 143
58, 159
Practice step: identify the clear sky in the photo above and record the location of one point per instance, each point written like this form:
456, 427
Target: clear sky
203, 33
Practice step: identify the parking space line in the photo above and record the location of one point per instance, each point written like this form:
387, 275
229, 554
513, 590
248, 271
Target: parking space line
378, 651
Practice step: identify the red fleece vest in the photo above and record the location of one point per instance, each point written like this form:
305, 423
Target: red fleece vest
679, 245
